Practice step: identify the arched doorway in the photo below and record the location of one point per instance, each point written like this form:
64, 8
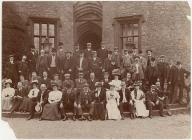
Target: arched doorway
88, 24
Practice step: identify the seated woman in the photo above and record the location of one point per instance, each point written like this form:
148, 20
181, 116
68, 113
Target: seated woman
112, 97
138, 98
7, 95
53, 109
116, 73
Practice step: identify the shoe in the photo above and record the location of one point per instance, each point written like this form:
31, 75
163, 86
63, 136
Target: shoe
74, 118
150, 117
64, 118
169, 113
162, 115
29, 118
82, 118
89, 118
40, 119
122, 117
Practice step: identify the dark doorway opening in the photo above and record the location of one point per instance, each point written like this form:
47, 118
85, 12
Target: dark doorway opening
90, 37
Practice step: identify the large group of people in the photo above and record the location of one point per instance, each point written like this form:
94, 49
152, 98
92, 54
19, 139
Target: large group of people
93, 85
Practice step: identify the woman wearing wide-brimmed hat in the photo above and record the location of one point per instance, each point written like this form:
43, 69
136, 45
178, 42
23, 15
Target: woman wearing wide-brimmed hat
116, 74
138, 98
112, 97
7, 95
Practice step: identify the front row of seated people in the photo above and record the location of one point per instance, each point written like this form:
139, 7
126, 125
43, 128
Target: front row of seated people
100, 104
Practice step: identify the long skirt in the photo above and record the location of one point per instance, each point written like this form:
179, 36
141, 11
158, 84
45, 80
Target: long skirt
141, 110
51, 112
7, 103
25, 105
99, 111
112, 110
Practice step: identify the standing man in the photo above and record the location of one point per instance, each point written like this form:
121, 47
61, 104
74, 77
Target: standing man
42, 63
81, 64
23, 67
117, 57
12, 70
61, 57
88, 51
162, 69
68, 64
180, 74
53, 63
107, 66
102, 52
149, 56
127, 62
95, 65
138, 72
32, 58
76, 52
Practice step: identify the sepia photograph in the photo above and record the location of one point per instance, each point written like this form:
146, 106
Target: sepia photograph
96, 69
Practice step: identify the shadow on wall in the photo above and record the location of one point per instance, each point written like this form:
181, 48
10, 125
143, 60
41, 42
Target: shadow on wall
15, 39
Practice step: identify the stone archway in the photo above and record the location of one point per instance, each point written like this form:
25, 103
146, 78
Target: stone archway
88, 24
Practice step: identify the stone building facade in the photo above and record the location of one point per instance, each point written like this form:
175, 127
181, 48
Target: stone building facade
160, 26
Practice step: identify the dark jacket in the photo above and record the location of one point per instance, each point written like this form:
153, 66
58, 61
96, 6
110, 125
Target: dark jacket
45, 96
92, 84
127, 95
101, 97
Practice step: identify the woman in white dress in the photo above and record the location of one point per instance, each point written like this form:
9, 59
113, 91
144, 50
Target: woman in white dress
7, 95
138, 98
116, 73
112, 97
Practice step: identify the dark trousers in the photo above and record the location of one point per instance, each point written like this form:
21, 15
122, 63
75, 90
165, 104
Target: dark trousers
68, 107
33, 103
159, 106
180, 88
126, 107
99, 111
16, 104
162, 81
52, 71
173, 93
80, 108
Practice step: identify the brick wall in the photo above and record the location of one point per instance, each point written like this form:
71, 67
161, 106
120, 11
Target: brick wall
166, 29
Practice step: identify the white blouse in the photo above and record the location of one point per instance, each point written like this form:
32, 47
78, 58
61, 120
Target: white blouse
8, 92
33, 93
117, 84
54, 96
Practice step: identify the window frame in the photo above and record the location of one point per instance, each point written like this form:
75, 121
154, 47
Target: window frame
119, 21
41, 21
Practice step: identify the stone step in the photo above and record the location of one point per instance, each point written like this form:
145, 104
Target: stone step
176, 105
174, 111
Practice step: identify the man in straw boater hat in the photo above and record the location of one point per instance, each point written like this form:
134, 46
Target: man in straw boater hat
80, 81
33, 98
12, 70
137, 99
84, 103
153, 100
95, 65
99, 101
54, 109
68, 80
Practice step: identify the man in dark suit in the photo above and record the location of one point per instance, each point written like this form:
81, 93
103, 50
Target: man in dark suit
12, 70
171, 80
162, 69
91, 81
81, 64
99, 101
53, 63
180, 74
23, 67
76, 52
102, 52
151, 73
117, 57
61, 57
95, 65
42, 63
32, 58
88, 51
18, 97
80, 81
124, 101
149, 56
68, 66
45, 80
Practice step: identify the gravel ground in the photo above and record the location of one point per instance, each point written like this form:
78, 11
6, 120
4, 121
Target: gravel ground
176, 126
